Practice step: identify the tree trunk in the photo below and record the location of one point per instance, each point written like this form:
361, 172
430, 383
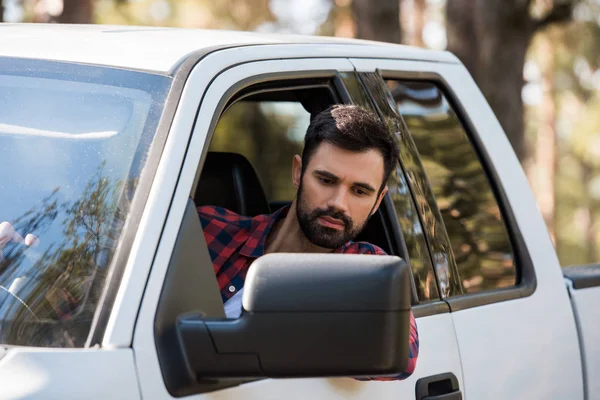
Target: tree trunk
76, 12
1, 11
589, 224
419, 9
491, 38
377, 20
546, 148
460, 30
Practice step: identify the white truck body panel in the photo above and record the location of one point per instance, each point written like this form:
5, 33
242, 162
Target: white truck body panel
60, 374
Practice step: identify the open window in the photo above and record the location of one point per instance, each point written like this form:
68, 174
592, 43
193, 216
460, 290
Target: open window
248, 168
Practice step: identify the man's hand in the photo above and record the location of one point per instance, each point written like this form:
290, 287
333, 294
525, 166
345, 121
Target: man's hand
8, 235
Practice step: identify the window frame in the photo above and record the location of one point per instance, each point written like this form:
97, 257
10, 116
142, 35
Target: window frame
342, 93
164, 311
526, 282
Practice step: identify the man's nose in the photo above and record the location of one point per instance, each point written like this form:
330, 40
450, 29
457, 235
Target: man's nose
339, 199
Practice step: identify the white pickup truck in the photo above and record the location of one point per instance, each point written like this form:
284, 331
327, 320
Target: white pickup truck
111, 136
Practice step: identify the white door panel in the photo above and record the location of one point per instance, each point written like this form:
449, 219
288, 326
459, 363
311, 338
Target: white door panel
438, 354
519, 349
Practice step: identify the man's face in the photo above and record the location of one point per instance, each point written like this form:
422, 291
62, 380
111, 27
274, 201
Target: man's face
337, 193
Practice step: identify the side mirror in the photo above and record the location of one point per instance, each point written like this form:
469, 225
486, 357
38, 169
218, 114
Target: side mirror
307, 315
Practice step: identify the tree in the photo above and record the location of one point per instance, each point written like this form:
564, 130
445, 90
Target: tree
65, 11
414, 14
546, 149
491, 37
377, 20
76, 12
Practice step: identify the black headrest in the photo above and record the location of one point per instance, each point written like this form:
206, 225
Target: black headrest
228, 180
376, 233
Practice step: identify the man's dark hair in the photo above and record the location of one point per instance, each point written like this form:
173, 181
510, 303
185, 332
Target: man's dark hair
351, 128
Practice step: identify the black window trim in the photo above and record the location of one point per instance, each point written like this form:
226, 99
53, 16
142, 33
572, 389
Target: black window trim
430, 308
387, 204
525, 271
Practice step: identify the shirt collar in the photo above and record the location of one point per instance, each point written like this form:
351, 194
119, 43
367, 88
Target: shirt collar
259, 231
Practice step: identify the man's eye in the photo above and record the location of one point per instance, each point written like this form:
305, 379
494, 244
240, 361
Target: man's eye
360, 192
326, 181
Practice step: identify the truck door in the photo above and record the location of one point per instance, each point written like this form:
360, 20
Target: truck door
256, 105
509, 305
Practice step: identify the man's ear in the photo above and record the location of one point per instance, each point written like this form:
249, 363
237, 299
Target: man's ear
379, 199
297, 170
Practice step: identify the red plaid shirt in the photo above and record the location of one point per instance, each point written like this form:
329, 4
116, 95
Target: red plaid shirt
235, 241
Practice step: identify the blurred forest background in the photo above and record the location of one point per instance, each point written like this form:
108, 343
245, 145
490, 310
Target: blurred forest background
536, 61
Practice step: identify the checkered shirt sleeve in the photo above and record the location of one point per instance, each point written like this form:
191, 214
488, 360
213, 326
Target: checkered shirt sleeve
413, 341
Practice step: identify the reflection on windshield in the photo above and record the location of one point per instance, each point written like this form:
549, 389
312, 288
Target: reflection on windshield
75, 145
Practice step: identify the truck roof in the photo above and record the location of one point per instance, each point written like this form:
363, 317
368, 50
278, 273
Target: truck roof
162, 50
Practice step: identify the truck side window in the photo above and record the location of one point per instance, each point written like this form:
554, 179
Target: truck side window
478, 235
260, 132
414, 237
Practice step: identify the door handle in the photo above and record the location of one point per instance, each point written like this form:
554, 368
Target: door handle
438, 387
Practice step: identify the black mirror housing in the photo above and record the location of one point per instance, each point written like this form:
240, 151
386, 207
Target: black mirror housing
307, 315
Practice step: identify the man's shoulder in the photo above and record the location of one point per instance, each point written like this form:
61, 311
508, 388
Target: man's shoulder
215, 219
217, 213
220, 214
363, 248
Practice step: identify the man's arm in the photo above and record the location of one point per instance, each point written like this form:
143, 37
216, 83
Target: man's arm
413, 353
413, 340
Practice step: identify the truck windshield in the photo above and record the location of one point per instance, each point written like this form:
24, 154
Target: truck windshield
73, 143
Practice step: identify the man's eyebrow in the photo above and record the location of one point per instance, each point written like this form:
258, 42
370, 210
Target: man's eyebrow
327, 175
365, 186
333, 177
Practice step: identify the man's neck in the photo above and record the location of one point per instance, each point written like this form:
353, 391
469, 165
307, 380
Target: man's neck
286, 236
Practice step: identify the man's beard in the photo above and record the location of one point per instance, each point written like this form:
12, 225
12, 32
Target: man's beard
324, 236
